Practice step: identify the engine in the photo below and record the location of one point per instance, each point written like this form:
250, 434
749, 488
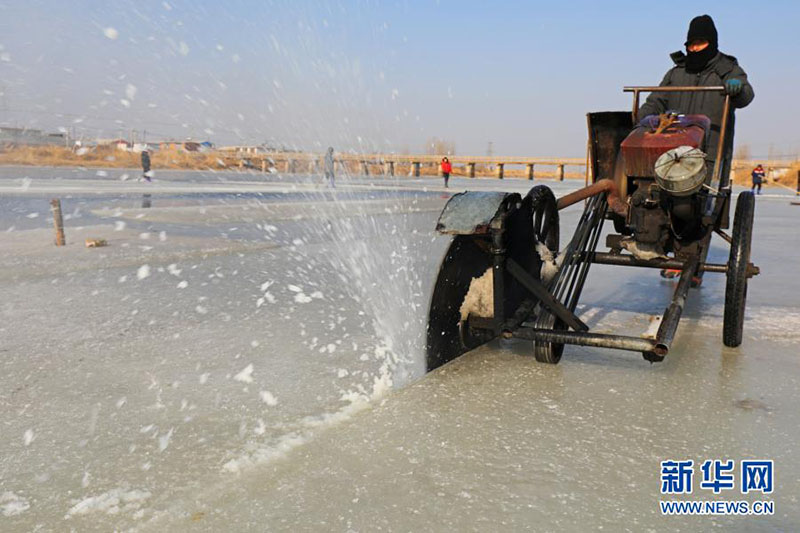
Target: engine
664, 172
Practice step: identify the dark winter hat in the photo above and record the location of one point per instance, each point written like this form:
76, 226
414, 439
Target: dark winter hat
702, 27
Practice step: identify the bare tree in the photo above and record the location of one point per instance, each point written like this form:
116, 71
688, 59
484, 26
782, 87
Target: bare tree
437, 146
743, 153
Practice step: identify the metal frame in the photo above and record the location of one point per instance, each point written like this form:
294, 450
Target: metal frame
551, 297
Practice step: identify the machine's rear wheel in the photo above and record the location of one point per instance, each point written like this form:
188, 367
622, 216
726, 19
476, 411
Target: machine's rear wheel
546, 230
736, 283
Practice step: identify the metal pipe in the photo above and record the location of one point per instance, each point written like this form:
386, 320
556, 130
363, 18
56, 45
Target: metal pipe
545, 297
672, 89
498, 272
605, 258
600, 186
672, 316
598, 340
716, 178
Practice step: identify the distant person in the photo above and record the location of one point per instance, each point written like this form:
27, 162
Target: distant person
329, 168
146, 165
447, 168
758, 178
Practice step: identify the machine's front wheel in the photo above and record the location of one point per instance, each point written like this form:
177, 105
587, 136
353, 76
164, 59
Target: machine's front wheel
736, 283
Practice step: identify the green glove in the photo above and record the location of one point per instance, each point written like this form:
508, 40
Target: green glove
733, 86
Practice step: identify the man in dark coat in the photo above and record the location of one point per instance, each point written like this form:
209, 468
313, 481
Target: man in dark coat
704, 65
146, 165
329, 167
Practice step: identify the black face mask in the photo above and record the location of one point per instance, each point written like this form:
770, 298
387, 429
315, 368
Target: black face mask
697, 61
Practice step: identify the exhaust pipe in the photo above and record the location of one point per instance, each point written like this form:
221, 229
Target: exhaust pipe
615, 203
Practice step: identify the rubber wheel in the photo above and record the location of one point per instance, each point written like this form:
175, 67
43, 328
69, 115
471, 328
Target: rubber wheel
546, 229
736, 283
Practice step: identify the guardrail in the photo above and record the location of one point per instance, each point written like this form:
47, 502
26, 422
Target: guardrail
418, 164
471, 166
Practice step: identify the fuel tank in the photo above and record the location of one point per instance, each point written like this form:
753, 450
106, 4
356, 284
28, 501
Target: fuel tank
643, 146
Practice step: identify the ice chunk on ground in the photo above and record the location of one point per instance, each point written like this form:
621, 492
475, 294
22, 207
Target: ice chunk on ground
163, 440
301, 298
111, 502
246, 375
143, 272
268, 398
12, 505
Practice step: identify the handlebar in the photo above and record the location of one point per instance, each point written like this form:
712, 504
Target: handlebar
672, 89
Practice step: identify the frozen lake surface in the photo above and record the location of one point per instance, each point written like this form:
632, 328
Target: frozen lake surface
247, 354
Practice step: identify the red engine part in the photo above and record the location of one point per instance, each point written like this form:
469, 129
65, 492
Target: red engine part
643, 145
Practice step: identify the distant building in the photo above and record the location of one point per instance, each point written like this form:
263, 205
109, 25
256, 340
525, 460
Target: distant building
186, 146
122, 144
30, 137
248, 149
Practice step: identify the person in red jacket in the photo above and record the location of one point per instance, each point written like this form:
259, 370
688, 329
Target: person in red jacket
447, 168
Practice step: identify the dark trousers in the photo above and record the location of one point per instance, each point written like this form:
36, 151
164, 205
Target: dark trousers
756, 184
446, 177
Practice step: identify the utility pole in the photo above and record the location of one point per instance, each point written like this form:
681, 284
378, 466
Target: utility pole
5, 105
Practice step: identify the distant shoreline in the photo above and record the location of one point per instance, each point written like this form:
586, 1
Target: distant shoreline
107, 157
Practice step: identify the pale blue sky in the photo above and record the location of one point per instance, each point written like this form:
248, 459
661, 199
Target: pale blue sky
377, 75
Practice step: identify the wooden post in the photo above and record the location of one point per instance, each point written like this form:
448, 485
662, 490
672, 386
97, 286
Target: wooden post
529, 170
415, 168
500, 170
389, 168
289, 166
364, 168
471, 170
561, 172
58, 222
263, 165
798, 183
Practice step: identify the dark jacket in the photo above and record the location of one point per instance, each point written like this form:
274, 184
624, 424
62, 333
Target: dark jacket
721, 68
146, 161
329, 162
